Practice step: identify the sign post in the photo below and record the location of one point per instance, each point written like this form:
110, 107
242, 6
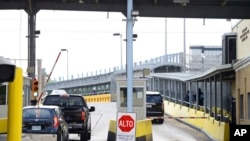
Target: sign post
126, 123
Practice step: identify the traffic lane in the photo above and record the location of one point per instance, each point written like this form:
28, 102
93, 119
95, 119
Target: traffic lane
75, 137
178, 131
99, 128
101, 118
169, 131
25, 137
41, 137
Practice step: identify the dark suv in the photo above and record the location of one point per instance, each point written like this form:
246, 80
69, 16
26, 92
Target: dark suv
75, 111
155, 106
40, 121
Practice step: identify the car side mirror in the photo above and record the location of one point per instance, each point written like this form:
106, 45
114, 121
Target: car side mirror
92, 108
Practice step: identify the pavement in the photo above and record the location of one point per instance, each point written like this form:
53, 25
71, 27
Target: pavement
3, 137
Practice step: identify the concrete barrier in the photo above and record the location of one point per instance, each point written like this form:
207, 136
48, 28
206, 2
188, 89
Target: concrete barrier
214, 129
98, 98
143, 130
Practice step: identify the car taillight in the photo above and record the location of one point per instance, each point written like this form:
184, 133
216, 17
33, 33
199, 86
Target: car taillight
56, 121
83, 115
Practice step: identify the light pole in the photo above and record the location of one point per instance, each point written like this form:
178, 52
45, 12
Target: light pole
67, 62
119, 34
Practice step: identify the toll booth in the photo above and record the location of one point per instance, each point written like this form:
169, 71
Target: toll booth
138, 98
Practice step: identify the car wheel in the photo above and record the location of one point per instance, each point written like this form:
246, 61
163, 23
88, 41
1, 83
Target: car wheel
59, 136
89, 133
67, 137
161, 121
84, 136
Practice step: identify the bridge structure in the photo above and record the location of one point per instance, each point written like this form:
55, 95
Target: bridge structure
99, 84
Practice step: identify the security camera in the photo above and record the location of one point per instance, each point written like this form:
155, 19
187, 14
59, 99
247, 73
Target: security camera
7, 70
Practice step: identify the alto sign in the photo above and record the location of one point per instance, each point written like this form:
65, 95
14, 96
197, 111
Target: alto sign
126, 123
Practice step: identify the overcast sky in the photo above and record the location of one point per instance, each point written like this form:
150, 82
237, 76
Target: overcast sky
88, 37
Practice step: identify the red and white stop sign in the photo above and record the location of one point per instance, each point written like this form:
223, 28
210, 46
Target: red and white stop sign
125, 126
126, 123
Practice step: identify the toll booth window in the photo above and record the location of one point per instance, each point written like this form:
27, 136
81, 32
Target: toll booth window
3, 95
137, 97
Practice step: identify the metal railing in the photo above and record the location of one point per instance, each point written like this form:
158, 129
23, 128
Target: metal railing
97, 78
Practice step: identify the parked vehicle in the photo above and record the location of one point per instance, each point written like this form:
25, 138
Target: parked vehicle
76, 113
41, 120
155, 106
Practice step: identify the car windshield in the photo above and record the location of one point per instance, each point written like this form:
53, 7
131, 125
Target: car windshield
154, 98
63, 101
38, 113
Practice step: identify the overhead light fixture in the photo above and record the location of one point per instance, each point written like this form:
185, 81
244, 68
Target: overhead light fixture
182, 2
80, 1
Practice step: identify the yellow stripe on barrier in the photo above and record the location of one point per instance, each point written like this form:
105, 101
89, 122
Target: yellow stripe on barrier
215, 129
143, 130
98, 98
143, 127
3, 125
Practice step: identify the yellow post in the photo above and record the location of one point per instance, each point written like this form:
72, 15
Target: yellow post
15, 104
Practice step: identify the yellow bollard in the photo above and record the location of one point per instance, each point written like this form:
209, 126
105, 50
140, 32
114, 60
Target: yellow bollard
15, 104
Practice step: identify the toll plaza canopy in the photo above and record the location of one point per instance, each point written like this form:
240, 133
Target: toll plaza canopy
231, 9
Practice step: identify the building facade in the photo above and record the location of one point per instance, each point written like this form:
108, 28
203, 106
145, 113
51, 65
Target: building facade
242, 69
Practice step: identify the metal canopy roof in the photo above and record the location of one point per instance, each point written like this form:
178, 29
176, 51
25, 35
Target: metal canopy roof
234, 9
227, 71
